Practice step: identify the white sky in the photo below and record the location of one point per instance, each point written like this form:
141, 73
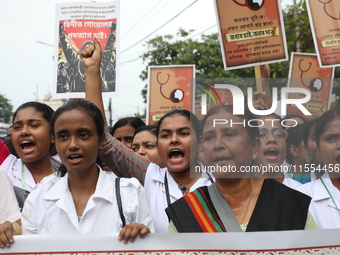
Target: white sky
27, 66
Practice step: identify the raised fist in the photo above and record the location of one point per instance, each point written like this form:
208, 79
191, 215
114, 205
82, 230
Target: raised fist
61, 29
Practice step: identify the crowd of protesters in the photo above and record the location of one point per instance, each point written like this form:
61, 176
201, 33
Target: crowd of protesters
64, 172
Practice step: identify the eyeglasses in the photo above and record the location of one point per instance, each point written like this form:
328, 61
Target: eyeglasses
278, 134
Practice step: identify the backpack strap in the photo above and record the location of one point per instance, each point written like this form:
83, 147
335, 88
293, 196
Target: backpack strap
119, 201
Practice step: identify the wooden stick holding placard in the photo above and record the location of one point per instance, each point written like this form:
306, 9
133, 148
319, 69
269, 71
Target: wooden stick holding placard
258, 78
262, 75
258, 82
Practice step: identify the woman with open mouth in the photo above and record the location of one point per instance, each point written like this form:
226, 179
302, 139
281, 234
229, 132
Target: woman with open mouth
177, 142
325, 191
83, 198
32, 141
236, 201
272, 151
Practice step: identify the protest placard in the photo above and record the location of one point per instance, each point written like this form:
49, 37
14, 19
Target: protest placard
324, 16
169, 88
305, 72
251, 32
77, 24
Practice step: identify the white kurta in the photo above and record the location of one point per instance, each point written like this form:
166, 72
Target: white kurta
23, 178
50, 209
290, 182
322, 207
9, 209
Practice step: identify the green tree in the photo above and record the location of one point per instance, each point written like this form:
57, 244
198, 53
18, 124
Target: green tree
5, 109
141, 116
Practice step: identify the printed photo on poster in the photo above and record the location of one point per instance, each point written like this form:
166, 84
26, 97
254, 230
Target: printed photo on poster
77, 26
251, 32
169, 88
324, 17
305, 72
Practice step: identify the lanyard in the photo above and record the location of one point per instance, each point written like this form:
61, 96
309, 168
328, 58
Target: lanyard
23, 174
329, 193
167, 193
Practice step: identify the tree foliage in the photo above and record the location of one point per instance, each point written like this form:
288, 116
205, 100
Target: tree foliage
5, 109
205, 52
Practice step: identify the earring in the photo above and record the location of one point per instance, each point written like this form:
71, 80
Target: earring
254, 156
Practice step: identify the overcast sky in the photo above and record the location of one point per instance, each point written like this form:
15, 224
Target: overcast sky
27, 65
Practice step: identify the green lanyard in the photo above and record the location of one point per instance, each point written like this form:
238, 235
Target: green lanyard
23, 174
329, 193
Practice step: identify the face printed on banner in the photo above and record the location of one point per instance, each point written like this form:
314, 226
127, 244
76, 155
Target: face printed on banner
316, 85
177, 95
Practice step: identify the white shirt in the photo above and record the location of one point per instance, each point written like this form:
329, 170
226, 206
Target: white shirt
49, 209
322, 207
156, 194
290, 182
23, 178
9, 209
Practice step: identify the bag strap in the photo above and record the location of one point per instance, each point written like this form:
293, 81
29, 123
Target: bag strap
119, 201
223, 209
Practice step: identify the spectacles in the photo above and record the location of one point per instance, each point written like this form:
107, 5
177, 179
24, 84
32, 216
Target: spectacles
278, 134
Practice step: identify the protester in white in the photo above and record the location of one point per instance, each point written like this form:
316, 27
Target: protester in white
325, 201
31, 139
325, 191
272, 152
178, 133
83, 198
9, 209
50, 209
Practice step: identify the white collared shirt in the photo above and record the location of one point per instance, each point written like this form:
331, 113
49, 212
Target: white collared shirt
290, 182
322, 206
13, 168
9, 209
156, 194
49, 209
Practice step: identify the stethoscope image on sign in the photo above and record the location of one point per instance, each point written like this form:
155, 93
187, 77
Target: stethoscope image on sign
251, 4
315, 84
325, 2
176, 95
